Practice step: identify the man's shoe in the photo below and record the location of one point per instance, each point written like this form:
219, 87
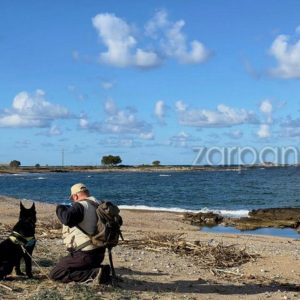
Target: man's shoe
104, 275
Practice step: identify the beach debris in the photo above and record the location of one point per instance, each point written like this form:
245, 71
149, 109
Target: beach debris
217, 271
50, 229
5, 286
207, 255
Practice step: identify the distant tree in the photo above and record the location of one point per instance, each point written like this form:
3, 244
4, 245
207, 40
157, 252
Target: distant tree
156, 163
37, 166
111, 160
14, 164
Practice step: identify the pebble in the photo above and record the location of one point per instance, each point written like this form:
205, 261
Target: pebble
268, 295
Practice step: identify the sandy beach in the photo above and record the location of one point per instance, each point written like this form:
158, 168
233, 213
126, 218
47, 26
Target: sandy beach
151, 263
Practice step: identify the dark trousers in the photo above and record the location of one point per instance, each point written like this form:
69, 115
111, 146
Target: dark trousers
78, 266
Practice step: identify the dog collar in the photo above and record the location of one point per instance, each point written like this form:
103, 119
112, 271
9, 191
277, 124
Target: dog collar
19, 239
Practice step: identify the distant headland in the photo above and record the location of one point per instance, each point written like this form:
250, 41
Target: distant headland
137, 168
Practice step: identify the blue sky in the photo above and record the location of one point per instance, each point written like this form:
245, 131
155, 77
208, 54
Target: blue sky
146, 80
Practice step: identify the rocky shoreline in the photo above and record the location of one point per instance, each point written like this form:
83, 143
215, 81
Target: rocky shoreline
260, 218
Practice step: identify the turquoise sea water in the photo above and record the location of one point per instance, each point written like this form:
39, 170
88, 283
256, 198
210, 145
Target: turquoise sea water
228, 192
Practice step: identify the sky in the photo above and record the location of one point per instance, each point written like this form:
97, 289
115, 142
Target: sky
146, 80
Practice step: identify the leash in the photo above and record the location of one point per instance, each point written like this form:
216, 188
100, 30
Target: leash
42, 271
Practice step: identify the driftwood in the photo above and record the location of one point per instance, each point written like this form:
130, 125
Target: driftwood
209, 256
5, 286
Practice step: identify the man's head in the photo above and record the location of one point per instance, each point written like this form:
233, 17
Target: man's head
79, 192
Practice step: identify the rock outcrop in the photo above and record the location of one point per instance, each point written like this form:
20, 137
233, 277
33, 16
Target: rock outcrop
203, 219
260, 218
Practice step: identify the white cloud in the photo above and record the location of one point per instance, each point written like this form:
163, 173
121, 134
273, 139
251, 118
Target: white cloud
180, 140
165, 37
176, 46
117, 142
223, 116
110, 107
264, 131
290, 127
173, 40
121, 45
32, 110
266, 107
291, 123
158, 22
146, 135
83, 123
107, 85
236, 134
287, 56
118, 121
290, 132
77, 93
54, 130
180, 106
160, 110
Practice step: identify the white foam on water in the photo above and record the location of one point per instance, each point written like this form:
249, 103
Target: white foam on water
164, 175
227, 213
234, 213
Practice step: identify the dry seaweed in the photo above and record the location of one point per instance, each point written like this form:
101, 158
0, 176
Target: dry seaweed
205, 254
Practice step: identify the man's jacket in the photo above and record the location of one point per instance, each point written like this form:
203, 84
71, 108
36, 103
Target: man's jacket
83, 215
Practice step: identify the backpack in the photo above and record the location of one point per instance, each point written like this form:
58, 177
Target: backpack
109, 224
108, 229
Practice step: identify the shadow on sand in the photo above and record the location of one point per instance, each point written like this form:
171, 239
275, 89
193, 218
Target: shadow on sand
201, 286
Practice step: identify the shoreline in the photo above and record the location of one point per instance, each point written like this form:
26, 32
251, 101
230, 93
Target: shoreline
156, 271
217, 229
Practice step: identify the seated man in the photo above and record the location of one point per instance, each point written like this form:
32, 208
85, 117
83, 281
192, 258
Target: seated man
84, 260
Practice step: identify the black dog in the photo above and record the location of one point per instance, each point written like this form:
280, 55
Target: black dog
19, 244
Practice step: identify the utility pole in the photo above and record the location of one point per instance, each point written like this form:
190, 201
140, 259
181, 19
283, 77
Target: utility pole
62, 157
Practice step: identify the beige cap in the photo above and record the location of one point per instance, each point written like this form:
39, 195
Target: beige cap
77, 188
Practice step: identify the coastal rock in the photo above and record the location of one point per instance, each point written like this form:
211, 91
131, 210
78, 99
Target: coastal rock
277, 213
260, 218
270, 217
203, 219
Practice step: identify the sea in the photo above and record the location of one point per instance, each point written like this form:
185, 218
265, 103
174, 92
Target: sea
230, 193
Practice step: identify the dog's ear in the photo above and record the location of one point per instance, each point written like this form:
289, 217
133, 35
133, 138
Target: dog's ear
22, 206
33, 206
